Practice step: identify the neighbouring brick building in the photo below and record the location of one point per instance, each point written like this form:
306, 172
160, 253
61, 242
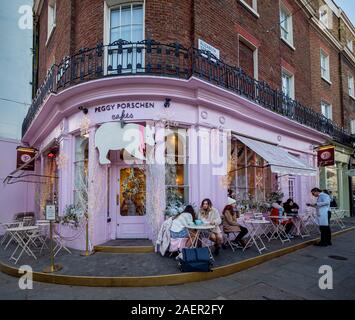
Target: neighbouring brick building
281, 75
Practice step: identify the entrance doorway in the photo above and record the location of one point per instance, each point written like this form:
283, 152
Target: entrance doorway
131, 203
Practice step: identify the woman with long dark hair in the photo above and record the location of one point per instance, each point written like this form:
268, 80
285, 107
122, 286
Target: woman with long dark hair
180, 222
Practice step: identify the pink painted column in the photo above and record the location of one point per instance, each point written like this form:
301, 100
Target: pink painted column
65, 172
97, 194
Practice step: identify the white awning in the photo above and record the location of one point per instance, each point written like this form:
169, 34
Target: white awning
279, 160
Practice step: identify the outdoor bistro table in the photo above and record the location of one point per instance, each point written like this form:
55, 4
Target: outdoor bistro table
199, 235
22, 235
256, 229
301, 229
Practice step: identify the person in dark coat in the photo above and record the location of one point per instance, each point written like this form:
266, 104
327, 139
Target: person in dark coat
291, 207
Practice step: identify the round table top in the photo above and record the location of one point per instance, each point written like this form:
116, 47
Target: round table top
282, 218
200, 226
25, 228
256, 221
43, 222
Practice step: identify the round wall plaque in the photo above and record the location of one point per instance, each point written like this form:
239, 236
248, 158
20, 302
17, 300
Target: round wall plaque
204, 114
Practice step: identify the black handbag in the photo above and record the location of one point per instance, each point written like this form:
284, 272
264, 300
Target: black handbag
195, 260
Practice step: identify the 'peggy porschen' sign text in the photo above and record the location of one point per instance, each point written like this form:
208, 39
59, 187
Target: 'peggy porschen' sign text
124, 109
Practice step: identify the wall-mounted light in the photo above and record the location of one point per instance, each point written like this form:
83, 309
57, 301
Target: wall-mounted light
83, 109
167, 102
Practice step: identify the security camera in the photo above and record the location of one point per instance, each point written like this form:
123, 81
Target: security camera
167, 102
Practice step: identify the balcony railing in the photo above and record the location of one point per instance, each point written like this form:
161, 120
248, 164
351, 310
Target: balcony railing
149, 57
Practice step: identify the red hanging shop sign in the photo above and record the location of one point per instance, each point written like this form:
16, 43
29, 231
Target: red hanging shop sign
326, 156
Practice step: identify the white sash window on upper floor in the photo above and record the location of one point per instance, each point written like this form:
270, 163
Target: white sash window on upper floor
288, 84
324, 65
286, 27
351, 86
51, 18
327, 110
126, 22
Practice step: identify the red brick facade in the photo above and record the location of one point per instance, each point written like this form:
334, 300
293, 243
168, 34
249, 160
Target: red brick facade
222, 24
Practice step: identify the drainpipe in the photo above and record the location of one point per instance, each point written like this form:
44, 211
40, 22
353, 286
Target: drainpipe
35, 55
192, 31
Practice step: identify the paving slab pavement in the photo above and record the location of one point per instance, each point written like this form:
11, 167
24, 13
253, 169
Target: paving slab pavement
294, 276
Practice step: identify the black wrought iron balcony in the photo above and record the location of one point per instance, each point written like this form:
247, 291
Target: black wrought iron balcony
122, 58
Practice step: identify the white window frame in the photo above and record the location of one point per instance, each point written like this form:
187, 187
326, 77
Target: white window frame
292, 188
253, 9
255, 55
325, 70
289, 22
291, 77
349, 45
51, 18
112, 5
183, 159
352, 126
324, 19
327, 113
351, 86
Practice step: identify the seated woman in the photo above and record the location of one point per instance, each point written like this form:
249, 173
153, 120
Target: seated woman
278, 211
230, 224
210, 215
291, 207
178, 228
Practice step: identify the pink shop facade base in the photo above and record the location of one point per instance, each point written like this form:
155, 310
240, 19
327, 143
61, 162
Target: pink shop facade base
192, 105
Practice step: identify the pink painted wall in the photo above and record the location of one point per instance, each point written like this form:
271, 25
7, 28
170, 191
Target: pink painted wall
194, 102
14, 198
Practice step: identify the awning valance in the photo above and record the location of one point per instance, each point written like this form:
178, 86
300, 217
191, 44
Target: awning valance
279, 160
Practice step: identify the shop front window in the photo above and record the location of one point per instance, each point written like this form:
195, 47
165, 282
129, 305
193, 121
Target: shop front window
176, 172
249, 178
81, 173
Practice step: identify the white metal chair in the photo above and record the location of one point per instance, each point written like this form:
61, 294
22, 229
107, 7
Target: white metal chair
59, 245
310, 221
8, 234
299, 225
23, 239
337, 218
279, 230
43, 226
228, 238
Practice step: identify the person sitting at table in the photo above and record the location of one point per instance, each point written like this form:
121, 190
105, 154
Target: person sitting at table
278, 211
291, 207
230, 225
210, 215
180, 222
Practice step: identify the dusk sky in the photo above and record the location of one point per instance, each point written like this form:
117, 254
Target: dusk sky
349, 7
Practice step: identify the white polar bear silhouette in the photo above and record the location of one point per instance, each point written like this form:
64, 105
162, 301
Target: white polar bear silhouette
131, 137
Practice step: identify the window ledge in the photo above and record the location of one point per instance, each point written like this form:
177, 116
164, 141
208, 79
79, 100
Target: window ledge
252, 10
50, 34
289, 44
352, 97
326, 80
